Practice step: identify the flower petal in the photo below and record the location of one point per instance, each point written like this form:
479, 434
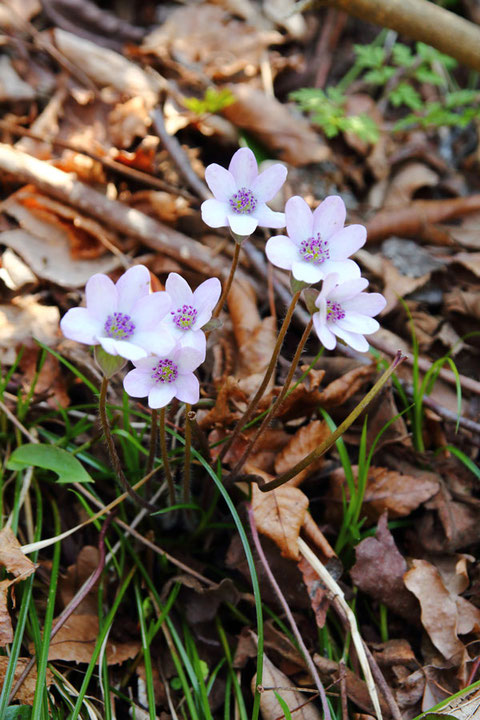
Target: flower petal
161, 394
205, 297
356, 341
138, 383
329, 217
299, 219
125, 349
101, 296
307, 272
368, 303
269, 182
347, 269
243, 167
149, 310
329, 285
349, 290
159, 341
79, 325
357, 323
269, 218
179, 290
131, 286
282, 251
326, 337
187, 359
214, 213
196, 340
347, 241
243, 225
188, 388
221, 182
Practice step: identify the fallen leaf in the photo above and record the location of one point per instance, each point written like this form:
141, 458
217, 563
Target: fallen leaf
76, 640
297, 702
6, 627
77, 573
317, 592
128, 121
279, 514
411, 177
343, 388
26, 691
306, 439
275, 126
12, 557
12, 87
439, 610
379, 571
24, 319
49, 381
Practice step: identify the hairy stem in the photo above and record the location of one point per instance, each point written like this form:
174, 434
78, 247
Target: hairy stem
187, 465
266, 379
153, 442
273, 410
228, 284
165, 460
112, 451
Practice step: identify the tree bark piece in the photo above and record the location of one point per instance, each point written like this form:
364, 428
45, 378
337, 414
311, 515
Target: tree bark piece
420, 20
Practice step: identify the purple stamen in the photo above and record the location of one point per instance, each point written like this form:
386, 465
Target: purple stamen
315, 250
184, 317
243, 202
165, 371
334, 311
119, 326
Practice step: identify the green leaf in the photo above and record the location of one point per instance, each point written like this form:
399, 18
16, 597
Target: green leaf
428, 53
364, 126
368, 56
405, 94
18, 712
49, 457
402, 55
426, 75
379, 76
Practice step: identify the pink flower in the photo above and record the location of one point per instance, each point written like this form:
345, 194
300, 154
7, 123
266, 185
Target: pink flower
317, 243
240, 194
346, 312
164, 377
190, 311
122, 317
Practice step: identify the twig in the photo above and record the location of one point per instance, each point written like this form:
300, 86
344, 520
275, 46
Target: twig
178, 155
420, 20
288, 613
332, 28
336, 590
382, 684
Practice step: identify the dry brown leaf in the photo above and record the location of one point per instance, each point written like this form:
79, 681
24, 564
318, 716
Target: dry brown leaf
12, 87
76, 640
287, 135
202, 35
128, 121
317, 592
411, 177
22, 320
85, 565
379, 571
6, 628
439, 609
12, 557
279, 514
388, 490
49, 381
340, 390
463, 302
165, 206
305, 440
26, 691
269, 705
357, 690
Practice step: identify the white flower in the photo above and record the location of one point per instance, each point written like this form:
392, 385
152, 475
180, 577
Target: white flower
317, 243
346, 312
122, 317
240, 194
165, 377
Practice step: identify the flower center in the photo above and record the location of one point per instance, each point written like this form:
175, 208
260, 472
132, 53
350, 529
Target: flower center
165, 371
315, 250
334, 311
184, 317
243, 202
119, 326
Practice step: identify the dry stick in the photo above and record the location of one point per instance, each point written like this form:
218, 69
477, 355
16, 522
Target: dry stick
112, 451
331, 440
382, 684
334, 588
165, 460
273, 410
268, 374
178, 156
228, 284
288, 613
121, 217
420, 20
73, 604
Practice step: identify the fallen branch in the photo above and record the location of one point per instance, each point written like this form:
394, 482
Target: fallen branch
420, 20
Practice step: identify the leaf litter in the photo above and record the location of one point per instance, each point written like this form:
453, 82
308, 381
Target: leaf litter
416, 558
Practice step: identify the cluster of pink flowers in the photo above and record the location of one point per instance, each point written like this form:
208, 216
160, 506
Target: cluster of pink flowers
317, 246
160, 332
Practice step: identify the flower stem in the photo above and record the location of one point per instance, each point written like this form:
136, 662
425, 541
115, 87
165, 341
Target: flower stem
268, 374
153, 442
228, 284
331, 440
187, 465
272, 412
165, 460
112, 451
